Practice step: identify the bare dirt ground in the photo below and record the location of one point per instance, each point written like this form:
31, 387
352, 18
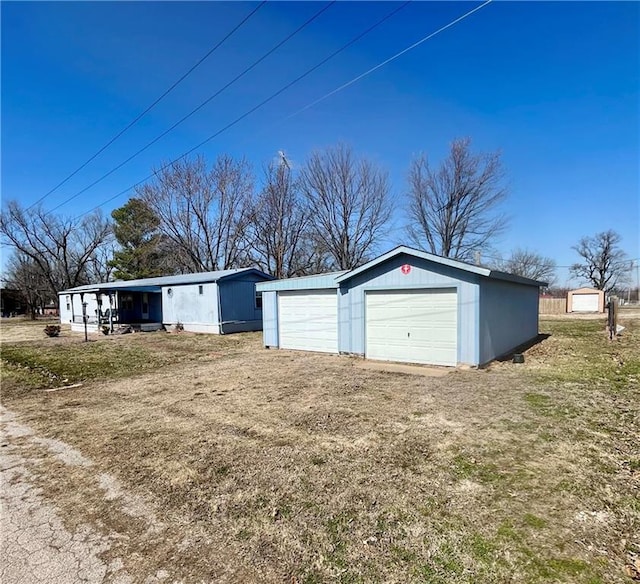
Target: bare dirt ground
210, 459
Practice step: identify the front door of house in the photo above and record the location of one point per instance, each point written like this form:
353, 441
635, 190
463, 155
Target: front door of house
145, 306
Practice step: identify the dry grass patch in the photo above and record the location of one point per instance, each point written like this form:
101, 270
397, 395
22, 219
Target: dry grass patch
279, 466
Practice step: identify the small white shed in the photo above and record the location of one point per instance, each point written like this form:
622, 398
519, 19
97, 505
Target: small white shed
585, 300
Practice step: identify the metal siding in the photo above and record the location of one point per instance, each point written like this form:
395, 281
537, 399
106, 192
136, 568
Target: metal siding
238, 300
270, 319
187, 306
155, 307
424, 274
508, 317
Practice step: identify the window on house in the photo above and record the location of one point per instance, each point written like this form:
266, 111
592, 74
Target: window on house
201, 290
259, 300
126, 302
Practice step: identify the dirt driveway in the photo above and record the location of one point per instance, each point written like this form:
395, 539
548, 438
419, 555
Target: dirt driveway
231, 463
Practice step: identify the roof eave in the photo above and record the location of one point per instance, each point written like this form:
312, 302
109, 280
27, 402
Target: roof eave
415, 253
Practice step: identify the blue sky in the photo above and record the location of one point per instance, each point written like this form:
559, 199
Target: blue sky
554, 86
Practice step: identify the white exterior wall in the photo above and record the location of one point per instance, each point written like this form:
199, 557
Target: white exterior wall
198, 313
66, 314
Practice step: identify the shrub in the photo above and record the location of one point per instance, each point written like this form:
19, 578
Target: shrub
52, 330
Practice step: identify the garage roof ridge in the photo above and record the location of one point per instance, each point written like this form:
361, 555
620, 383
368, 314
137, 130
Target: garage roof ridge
403, 249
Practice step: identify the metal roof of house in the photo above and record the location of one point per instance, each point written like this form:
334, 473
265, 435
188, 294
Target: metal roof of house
155, 284
334, 279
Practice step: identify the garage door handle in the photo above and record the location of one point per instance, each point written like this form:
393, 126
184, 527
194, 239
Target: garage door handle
408, 335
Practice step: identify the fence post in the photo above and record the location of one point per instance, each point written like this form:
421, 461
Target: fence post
612, 316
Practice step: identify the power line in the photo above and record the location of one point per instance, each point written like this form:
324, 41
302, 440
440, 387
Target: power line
156, 102
387, 61
249, 112
199, 107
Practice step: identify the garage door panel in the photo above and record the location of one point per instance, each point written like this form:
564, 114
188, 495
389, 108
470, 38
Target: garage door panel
585, 303
412, 326
308, 320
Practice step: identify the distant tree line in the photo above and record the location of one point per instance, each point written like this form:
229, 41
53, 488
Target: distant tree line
333, 212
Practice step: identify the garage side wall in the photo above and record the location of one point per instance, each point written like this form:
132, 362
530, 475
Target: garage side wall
508, 317
197, 312
423, 274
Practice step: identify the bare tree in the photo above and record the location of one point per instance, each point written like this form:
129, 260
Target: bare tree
62, 249
529, 264
279, 224
26, 277
204, 212
604, 263
454, 209
348, 202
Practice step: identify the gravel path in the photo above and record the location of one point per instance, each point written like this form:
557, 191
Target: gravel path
35, 546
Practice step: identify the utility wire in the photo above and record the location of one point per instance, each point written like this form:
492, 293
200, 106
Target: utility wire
198, 108
249, 112
387, 61
156, 102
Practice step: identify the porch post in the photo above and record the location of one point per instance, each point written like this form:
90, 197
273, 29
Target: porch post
99, 303
73, 315
84, 315
110, 312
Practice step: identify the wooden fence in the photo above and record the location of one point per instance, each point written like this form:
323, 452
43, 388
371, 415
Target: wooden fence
552, 305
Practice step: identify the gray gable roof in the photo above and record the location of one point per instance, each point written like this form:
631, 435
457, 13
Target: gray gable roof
160, 281
402, 249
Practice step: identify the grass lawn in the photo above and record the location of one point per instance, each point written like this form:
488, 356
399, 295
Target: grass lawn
277, 466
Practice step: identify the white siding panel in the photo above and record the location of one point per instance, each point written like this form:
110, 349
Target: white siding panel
308, 320
414, 326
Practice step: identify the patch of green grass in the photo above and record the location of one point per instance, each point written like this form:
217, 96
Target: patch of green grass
467, 467
40, 366
537, 401
583, 354
35, 365
482, 548
444, 566
534, 521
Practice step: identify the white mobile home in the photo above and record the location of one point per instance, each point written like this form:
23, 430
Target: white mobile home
218, 302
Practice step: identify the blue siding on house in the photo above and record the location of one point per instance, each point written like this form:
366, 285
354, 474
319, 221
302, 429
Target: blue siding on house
270, 318
238, 301
423, 274
155, 307
508, 317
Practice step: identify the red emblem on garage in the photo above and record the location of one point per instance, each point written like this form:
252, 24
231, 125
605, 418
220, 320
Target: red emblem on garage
406, 268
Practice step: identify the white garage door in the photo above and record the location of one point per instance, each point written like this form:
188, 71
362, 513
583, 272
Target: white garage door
308, 320
417, 326
585, 303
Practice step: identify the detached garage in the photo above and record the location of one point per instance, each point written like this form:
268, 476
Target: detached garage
585, 300
408, 306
